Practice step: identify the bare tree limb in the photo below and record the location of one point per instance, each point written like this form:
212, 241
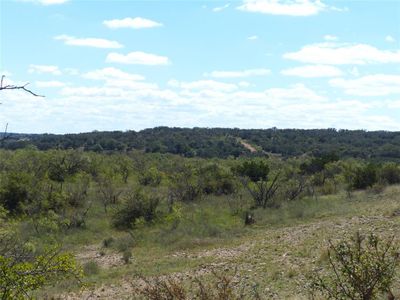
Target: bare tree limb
16, 87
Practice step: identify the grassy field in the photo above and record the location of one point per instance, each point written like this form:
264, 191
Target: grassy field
277, 255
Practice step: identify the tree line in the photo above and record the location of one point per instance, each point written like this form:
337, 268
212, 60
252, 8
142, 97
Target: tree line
222, 142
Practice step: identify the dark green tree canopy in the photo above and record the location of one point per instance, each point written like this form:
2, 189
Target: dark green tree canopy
255, 170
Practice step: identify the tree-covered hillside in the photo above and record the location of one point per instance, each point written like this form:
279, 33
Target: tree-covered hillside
223, 142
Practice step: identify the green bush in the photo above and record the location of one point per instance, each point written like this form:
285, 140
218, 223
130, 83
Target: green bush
108, 242
317, 164
14, 191
389, 173
24, 270
184, 185
126, 256
364, 176
137, 207
151, 177
91, 268
255, 178
124, 243
215, 180
255, 170
362, 268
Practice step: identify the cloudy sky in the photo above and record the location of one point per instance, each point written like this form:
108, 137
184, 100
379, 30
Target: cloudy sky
119, 65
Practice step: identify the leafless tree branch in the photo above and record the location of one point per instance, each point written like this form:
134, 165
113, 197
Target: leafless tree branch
16, 87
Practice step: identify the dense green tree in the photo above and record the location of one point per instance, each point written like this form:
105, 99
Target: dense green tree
137, 206
364, 176
389, 173
255, 177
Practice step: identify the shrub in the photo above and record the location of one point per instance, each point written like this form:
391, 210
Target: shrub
108, 242
389, 173
317, 164
365, 176
255, 170
360, 269
137, 206
124, 243
215, 180
14, 191
23, 270
238, 204
108, 192
126, 256
249, 219
184, 185
377, 188
254, 176
221, 287
77, 191
175, 216
91, 268
150, 177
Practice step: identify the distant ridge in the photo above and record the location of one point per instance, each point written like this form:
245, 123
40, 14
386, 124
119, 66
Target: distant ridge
222, 142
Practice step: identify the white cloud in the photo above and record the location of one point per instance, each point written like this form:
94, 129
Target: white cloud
46, 2
371, 85
330, 38
342, 54
244, 84
111, 73
390, 39
49, 84
203, 85
253, 38
131, 85
138, 58
393, 104
284, 7
116, 78
313, 71
5, 73
296, 106
71, 71
88, 42
220, 8
40, 69
354, 72
52, 2
92, 92
114, 89
297, 91
135, 23
239, 74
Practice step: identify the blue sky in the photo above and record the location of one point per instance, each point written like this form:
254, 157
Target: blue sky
120, 65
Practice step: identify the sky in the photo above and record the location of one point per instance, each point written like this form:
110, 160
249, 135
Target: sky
130, 65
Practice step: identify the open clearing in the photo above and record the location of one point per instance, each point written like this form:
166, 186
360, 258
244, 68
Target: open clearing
278, 258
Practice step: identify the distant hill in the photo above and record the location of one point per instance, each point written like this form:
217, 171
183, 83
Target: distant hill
223, 142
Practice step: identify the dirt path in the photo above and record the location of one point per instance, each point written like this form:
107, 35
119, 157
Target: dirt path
248, 146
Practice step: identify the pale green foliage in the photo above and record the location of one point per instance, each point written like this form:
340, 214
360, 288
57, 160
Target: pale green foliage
151, 177
23, 271
184, 185
361, 268
175, 216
